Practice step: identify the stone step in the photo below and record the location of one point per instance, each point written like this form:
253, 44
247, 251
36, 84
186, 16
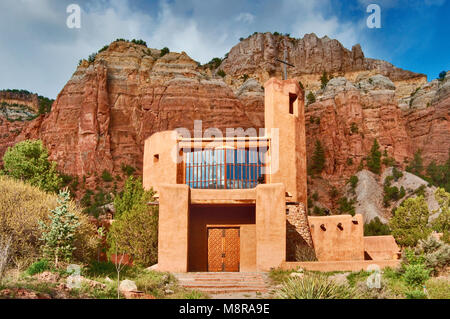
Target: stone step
221, 291
224, 283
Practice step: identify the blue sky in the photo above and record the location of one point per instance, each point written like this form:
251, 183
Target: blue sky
39, 53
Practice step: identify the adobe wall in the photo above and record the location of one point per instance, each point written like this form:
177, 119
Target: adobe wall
270, 226
202, 216
381, 248
346, 265
338, 238
159, 164
173, 228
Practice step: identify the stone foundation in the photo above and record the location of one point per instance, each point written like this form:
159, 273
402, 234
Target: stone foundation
298, 234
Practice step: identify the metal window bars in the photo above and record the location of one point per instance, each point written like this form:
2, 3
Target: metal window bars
224, 168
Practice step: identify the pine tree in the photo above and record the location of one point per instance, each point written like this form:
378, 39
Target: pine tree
374, 158
416, 166
59, 235
318, 158
324, 80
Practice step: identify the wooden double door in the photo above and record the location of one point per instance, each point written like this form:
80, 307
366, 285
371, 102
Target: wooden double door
223, 249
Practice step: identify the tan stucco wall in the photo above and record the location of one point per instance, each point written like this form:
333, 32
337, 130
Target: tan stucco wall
163, 170
270, 226
173, 228
334, 244
292, 137
202, 216
347, 265
381, 247
248, 248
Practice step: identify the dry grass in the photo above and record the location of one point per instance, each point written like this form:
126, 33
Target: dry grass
21, 207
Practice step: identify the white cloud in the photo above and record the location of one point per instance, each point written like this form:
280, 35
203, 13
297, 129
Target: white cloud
245, 17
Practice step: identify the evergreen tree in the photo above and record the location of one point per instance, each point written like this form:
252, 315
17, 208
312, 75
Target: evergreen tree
318, 158
442, 223
324, 79
410, 222
416, 166
374, 158
311, 98
28, 161
59, 235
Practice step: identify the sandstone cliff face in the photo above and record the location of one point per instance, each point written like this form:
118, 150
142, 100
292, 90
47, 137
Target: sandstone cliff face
20, 97
103, 115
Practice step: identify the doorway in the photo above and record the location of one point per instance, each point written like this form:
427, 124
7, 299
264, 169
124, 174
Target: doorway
223, 249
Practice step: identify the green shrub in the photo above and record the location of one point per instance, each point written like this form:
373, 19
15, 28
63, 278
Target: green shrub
315, 196
442, 223
128, 170
221, 73
314, 286
410, 222
346, 206
28, 161
106, 176
374, 158
436, 254
164, 51
416, 274
442, 76
311, 98
214, 63
416, 165
353, 181
103, 49
38, 267
415, 294
349, 161
317, 211
92, 57
376, 228
439, 175
354, 128
139, 42
135, 230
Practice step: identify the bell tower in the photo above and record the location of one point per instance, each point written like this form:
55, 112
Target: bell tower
285, 116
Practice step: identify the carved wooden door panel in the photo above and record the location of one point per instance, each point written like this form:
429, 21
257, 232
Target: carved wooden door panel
223, 249
232, 250
215, 243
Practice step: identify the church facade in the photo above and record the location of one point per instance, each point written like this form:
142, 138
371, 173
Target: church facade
226, 204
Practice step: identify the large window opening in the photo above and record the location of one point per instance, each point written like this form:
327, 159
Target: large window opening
224, 168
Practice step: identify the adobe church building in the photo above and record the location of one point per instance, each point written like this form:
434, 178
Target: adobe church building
230, 204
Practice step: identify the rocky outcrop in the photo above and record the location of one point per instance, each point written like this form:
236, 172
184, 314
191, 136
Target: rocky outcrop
20, 97
256, 57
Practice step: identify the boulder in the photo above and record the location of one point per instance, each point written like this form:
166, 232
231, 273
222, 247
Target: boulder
127, 286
